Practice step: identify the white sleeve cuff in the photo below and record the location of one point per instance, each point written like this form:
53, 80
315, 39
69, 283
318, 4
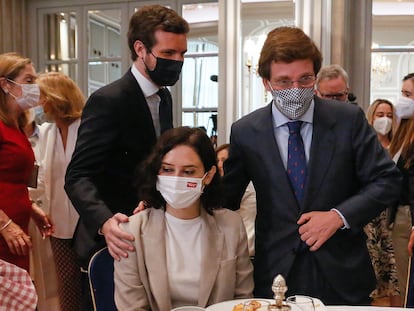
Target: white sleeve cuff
346, 224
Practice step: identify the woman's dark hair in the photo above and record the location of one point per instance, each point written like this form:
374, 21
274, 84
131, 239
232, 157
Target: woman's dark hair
194, 138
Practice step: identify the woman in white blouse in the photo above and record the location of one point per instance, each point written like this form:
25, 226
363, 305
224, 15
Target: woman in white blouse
188, 251
62, 102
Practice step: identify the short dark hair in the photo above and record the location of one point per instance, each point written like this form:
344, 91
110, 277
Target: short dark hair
149, 19
194, 138
287, 44
410, 76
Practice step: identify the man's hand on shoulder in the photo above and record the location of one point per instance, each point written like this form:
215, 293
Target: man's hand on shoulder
315, 228
117, 239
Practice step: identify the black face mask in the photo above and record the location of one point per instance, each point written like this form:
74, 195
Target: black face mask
166, 71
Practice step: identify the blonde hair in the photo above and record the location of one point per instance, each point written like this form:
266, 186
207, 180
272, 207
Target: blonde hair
371, 113
62, 98
404, 140
11, 65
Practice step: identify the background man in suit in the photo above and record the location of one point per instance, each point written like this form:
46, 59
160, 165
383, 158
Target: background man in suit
332, 82
120, 124
310, 211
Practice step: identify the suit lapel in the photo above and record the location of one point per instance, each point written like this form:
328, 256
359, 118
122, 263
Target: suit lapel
138, 106
211, 250
267, 145
156, 260
322, 150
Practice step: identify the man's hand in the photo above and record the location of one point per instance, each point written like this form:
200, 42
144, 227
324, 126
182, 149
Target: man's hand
315, 228
116, 239
411, 243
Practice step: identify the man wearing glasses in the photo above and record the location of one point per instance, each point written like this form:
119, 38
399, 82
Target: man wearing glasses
320, 175
332, 83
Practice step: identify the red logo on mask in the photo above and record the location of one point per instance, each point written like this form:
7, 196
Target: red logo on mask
191, 184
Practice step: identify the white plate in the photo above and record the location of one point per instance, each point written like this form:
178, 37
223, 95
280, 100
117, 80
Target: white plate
228, 305
364, 308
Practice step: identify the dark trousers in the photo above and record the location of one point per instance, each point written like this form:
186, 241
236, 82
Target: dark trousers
87, 304
306, 278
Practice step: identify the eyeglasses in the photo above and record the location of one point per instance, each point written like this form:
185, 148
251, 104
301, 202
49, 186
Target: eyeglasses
305, 81
336, 96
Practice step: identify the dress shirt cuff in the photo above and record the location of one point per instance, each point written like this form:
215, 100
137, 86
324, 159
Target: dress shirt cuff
346, 224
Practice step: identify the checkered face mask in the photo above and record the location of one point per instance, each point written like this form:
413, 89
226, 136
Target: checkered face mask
294, 102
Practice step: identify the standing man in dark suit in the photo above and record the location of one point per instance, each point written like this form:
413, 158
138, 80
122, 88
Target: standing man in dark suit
120, 124
310, 211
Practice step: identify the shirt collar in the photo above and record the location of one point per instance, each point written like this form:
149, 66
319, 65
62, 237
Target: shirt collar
279, 119
148, 87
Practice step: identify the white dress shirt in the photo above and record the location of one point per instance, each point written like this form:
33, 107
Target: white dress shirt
153, 100
62, 212
281, 132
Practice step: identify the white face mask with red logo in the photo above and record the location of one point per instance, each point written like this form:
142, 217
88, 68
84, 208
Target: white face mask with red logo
180, 192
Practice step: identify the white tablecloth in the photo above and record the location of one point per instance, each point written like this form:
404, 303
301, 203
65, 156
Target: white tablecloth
228, 306
359, 308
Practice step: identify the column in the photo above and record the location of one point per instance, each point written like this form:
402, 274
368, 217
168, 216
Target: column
342, 30
13, 26
229, 67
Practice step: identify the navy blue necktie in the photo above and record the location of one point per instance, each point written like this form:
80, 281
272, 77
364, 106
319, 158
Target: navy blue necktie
165, 110
296, 162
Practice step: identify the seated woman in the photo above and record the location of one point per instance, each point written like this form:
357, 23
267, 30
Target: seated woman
188, 251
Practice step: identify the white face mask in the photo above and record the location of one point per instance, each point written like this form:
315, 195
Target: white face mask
404, 108
30, 95
382, 125
293, 103
180, 192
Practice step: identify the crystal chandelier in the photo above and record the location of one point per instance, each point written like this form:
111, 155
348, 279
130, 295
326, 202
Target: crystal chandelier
380, 68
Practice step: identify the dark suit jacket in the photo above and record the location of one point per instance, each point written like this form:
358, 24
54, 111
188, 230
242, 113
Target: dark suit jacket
116, 134
347, 170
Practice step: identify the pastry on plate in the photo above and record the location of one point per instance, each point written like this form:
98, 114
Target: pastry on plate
251, 305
